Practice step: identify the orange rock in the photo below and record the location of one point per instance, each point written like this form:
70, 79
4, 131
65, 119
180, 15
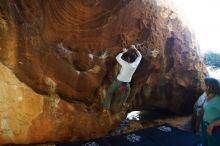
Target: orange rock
58, 58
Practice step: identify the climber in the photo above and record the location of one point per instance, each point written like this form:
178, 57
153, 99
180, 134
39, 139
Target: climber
120, 87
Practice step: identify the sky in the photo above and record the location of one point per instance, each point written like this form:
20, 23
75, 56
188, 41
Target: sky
203, 15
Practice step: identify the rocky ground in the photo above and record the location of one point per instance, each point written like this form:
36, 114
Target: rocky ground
138, 120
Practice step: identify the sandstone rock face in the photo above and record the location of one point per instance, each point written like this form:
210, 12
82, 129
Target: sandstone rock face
58, 58
28, 117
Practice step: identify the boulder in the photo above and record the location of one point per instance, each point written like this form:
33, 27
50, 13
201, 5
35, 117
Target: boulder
58, 59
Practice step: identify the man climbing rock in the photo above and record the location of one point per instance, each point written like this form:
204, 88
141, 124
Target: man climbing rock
120, 88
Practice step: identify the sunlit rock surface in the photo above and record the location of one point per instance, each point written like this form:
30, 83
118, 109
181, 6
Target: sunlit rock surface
58, 58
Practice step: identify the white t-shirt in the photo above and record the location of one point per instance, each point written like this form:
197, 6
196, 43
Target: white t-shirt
127, 69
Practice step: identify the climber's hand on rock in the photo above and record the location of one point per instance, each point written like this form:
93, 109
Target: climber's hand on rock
125, 50
133, 47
